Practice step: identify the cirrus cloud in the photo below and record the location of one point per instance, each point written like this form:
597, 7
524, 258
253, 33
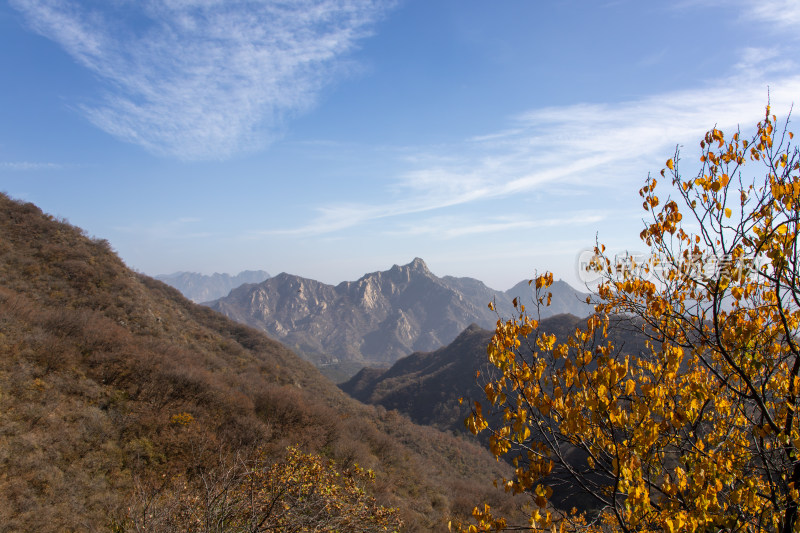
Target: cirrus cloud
203, 79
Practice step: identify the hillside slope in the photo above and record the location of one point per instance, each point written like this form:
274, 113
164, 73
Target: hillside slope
113, 386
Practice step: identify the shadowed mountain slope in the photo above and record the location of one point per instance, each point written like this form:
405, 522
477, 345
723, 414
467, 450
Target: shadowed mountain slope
114, 388
427, 386
379, 318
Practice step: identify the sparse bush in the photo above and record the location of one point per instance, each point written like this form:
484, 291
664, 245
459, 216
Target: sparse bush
298, 492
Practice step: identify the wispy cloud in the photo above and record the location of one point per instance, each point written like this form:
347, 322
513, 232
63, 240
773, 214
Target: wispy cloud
30, 166
452, 227
654, 58
779, 15
783, 13
204, 79
581, 146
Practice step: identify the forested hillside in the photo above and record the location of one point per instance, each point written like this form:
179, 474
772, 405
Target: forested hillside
120, 400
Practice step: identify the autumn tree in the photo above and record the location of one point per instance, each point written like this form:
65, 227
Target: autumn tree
700, 430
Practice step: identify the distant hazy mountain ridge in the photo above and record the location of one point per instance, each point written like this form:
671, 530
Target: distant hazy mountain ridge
203, 288
379, 318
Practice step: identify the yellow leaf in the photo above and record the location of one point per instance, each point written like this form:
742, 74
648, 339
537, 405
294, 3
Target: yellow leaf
728, 212
670, 164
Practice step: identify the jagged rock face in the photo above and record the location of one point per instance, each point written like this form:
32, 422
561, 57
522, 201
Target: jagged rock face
372, 321
202, 288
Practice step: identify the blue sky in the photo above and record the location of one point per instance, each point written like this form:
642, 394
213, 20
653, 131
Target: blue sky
330, 138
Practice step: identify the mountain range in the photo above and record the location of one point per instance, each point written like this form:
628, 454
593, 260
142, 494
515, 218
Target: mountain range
381, 317
204, 288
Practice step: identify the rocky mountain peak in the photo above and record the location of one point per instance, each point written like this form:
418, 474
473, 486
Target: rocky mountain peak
413, 270
415, 266
418, 265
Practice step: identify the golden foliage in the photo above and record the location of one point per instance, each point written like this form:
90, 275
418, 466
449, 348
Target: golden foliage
699, 431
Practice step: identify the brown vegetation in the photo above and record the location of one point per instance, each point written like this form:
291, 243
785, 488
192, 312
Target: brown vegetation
114, 388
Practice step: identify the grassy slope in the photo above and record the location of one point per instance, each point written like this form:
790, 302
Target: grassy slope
95, 360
